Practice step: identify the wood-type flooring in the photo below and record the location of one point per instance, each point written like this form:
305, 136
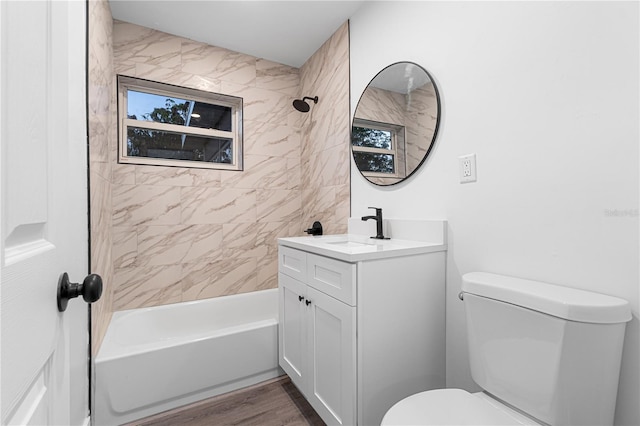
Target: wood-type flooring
273, 403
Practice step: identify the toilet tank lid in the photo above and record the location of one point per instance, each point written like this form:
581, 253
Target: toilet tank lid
563, 302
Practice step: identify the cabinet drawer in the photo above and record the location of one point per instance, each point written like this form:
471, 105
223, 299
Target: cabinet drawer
333, 277
292, 262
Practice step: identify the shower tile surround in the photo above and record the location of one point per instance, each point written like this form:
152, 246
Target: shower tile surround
102, 131
179, 234
326, 136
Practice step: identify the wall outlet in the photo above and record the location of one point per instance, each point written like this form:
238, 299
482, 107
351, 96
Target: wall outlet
467, 168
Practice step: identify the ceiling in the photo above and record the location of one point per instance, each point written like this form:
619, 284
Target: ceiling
287, 32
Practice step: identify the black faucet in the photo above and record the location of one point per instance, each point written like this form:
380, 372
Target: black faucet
378, 219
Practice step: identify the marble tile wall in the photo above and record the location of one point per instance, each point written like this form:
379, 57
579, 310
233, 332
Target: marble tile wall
182, 234
422, 114
326, 130
162, 235
101, 93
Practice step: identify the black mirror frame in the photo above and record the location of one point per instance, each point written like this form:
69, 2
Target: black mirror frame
435, 130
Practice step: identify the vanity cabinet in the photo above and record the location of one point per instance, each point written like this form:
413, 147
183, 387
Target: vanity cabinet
317, 344
356, 337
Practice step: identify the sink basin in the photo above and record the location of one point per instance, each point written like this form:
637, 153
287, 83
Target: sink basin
347, 241
348, 244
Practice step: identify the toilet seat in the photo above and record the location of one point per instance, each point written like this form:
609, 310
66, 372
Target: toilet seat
452, 407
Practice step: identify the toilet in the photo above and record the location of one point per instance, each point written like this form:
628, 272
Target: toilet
542, 354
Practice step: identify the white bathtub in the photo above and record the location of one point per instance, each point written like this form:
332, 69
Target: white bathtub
155, 359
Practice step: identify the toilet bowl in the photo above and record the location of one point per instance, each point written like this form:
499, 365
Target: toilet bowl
543, 355
453, 407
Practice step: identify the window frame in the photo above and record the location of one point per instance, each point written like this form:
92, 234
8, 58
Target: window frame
397, 137
126, 83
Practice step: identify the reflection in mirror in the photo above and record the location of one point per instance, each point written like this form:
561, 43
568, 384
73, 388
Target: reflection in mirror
395, 123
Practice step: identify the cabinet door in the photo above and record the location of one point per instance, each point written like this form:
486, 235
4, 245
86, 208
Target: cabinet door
331, 375
292, 348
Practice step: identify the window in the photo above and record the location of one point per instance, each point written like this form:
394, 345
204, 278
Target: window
161, 124
378, 148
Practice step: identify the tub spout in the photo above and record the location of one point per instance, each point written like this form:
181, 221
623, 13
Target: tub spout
316, 229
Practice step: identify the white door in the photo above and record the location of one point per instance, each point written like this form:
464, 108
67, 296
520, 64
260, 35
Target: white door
43, 211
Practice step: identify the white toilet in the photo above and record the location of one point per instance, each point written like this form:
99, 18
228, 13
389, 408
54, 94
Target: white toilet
542, 353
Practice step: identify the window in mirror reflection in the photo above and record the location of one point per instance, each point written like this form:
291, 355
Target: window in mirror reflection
378, 148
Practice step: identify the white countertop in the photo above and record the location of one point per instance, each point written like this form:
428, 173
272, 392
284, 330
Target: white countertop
356, 248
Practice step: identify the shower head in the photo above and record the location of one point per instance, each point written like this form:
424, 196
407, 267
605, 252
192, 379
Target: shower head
302, 106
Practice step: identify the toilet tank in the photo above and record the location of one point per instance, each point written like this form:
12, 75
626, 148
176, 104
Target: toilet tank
552, 352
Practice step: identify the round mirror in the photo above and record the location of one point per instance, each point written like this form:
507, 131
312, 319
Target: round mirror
395, 123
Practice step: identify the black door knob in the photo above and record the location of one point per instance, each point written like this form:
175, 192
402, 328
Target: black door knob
90, 289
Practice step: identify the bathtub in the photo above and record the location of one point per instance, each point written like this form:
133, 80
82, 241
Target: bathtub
155, 359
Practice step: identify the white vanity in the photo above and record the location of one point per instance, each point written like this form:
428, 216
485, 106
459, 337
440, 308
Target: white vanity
362, 321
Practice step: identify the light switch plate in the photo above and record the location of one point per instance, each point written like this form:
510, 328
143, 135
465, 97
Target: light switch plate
467, 168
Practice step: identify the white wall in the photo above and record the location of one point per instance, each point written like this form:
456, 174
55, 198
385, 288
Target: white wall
546, 94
